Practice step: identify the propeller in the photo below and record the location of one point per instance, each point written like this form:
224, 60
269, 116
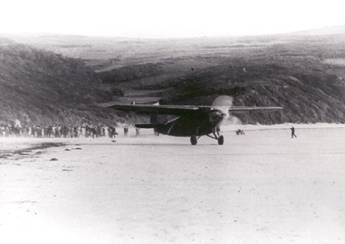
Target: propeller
223, 103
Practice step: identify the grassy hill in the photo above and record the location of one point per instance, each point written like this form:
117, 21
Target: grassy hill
305, 75
304, 72
41, 87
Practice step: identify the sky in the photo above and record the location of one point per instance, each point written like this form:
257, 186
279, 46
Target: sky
168, 18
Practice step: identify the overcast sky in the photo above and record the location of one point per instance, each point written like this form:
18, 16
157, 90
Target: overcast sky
168, 18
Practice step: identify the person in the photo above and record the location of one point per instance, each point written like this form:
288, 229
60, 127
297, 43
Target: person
125, 130
239, 132
293, 132
112, 132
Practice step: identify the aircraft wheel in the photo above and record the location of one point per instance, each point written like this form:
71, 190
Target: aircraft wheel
193, 140
220, 140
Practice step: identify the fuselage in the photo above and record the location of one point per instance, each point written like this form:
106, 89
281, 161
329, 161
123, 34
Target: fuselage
197, 124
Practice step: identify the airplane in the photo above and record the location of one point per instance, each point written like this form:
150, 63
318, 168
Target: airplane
189, 120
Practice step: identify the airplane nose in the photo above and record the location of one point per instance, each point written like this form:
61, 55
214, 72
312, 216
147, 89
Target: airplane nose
217, 116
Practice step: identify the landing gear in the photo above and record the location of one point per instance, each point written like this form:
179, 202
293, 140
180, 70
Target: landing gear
214, 135
218, 137
193, 140
220, 140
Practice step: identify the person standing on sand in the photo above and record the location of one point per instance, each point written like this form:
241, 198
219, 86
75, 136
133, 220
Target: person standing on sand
125, 130
293, 135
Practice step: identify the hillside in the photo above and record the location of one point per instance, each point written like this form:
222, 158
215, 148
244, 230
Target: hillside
304, 72
305, 75
41, 87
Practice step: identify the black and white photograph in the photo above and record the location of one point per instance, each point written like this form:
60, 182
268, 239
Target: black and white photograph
172, 122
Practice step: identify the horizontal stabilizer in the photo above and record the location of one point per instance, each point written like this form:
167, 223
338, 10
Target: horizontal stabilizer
146, 126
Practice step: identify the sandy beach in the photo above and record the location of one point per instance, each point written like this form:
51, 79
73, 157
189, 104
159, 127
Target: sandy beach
263, 187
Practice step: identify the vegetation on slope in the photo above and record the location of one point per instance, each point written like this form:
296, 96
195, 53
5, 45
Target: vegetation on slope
303, 73
297, 75
40, 87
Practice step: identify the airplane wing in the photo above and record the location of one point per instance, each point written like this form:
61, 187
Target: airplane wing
254, 108
151, 109
179, 109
